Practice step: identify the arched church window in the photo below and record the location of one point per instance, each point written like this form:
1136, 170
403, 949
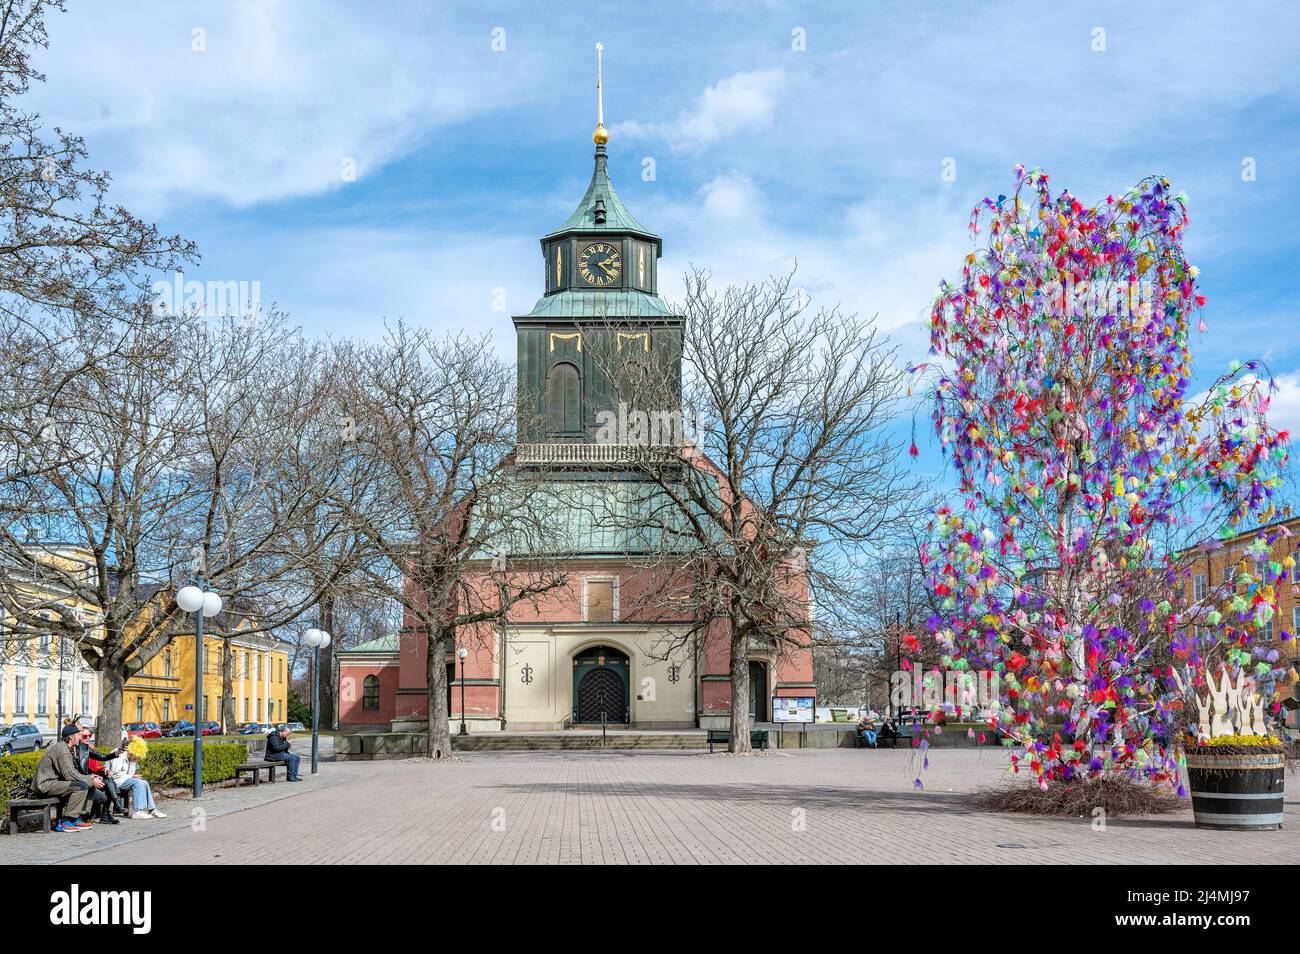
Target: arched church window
370, 693
564, 399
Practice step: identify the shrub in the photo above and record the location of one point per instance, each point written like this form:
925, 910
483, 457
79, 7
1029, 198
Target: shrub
172, 763
16, 774
167, 764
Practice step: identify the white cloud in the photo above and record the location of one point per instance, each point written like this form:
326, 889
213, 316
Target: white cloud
273, 103
732, 198
1284, 407
743, 101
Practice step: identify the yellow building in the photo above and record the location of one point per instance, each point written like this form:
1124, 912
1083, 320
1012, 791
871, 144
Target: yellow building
164, 689
43, 677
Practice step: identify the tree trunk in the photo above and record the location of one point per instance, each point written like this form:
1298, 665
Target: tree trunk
227, 686
739, 692
438, 745
108, 727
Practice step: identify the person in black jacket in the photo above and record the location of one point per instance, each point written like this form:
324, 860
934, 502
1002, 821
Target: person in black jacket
82, 754
277, 750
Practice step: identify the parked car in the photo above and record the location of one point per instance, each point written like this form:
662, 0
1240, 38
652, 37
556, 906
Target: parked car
177, 728
143, 730
20, 737
246, 728
212, 728
293, 726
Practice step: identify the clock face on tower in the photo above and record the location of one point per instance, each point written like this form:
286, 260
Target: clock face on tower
600, 264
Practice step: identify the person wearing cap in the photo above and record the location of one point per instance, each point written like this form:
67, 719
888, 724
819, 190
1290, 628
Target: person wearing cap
58, 776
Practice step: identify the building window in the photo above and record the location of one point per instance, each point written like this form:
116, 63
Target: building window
1227, 574
259, 667
564, 399
245, 710
1295, 623
1198, 587
43, 643
139, 708
20, 695
205, 659
167, 663
85, 698
270, 710
600, 601
370, 693
65, 695
279, 671
204, 717
42, 696
167, 710
1268, 630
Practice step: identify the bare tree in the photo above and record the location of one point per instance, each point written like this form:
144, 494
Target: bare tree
784, 477
450, 528
194, 451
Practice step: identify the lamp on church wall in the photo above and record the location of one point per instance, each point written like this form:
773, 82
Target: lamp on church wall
462, 653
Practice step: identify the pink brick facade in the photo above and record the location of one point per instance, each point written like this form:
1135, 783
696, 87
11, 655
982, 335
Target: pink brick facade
643, 627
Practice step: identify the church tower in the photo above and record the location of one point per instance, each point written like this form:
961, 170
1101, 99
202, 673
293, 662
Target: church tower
601, 305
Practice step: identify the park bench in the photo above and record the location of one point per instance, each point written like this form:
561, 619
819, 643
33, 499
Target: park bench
255, 769
883, 739
48, 807
757, 738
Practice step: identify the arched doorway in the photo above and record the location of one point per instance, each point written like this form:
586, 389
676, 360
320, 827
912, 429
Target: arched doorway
758, 691
600, 685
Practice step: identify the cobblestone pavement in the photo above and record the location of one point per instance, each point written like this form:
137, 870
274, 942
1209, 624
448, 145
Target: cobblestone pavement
812, 806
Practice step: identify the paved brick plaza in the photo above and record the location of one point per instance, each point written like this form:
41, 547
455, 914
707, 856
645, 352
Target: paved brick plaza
833, 806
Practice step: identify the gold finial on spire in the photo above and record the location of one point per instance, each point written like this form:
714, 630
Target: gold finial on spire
601, 135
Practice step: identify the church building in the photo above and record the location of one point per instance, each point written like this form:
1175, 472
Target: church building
600, 648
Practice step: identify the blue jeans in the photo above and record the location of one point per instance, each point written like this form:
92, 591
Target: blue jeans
870, 736
289, 759
141, 794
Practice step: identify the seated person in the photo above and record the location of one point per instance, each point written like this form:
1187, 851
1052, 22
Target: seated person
887, 733
123, 769
58, 776
277, 750
868, 730
85, 754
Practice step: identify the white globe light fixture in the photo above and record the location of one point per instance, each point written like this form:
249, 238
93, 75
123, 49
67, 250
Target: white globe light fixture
189, 598
317, 639
211, 604
194, 599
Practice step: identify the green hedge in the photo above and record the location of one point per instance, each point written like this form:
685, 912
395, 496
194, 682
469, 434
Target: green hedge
168, 764
16, 774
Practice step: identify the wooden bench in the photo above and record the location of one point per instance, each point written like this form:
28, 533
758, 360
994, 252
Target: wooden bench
48, 807
255, 769
757, 738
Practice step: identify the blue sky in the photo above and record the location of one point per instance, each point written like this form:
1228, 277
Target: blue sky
764, 154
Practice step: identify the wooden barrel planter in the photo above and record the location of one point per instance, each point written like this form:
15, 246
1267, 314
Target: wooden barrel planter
1236, 791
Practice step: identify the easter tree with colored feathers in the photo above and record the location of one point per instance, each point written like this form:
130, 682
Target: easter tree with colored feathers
1087, 474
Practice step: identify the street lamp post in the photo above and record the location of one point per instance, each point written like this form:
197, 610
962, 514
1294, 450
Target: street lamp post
317, 639
193, 599
462, 653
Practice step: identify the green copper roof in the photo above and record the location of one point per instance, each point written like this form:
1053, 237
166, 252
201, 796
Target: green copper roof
384, 644
617, 217
600, 304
